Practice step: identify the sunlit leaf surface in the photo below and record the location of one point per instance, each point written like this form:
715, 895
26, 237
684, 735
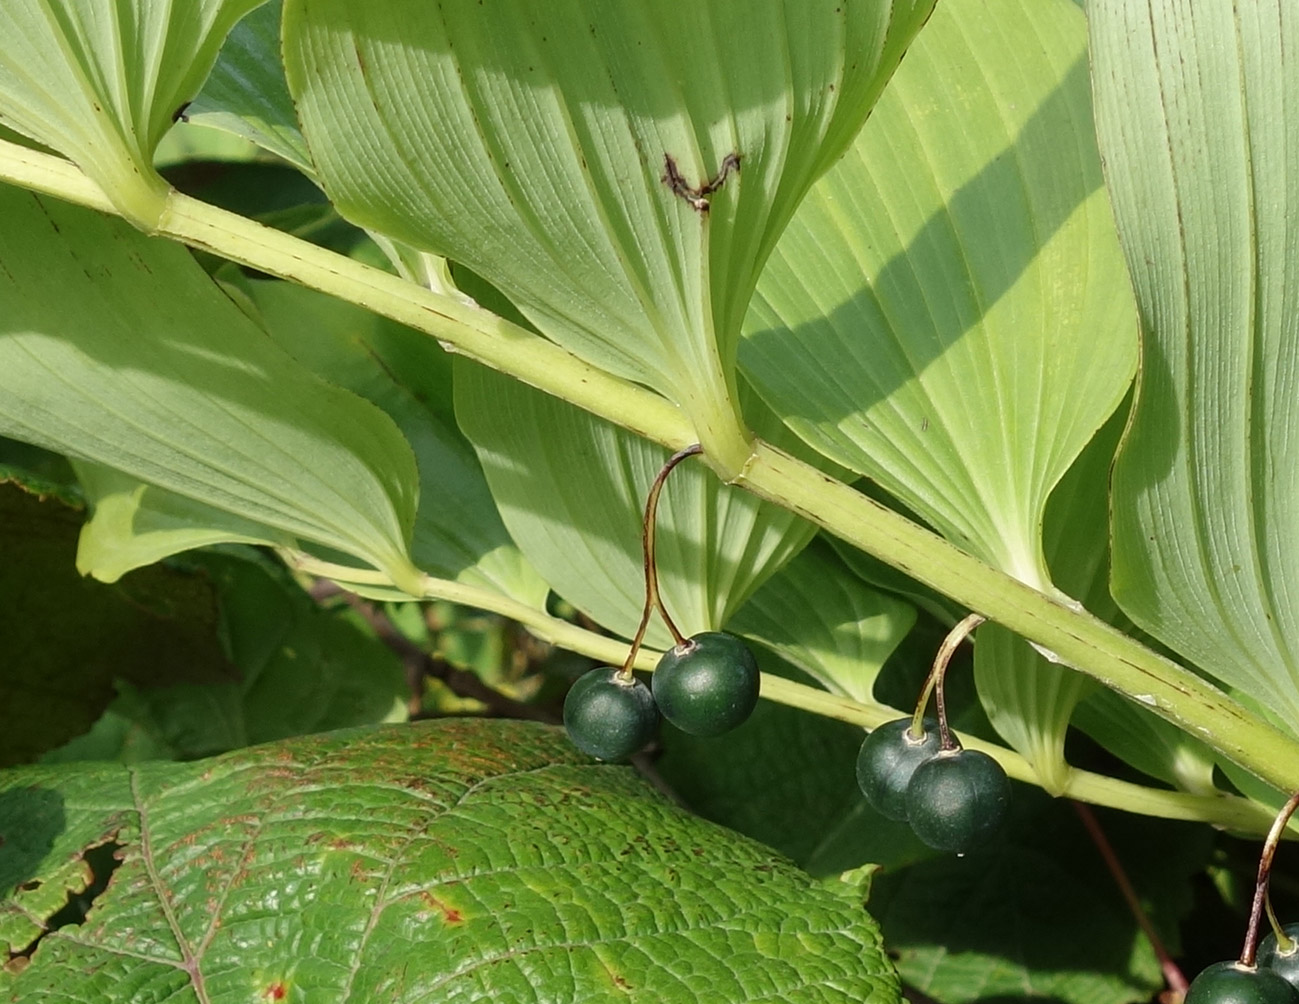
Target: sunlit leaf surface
540, 146
118, 349
1198, 118
947, 313
101, 82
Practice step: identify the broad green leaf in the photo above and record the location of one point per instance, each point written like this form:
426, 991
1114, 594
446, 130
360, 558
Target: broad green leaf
458, 530
1201, 140
823, 619
948, 312
101, 83
246, 93
534, 149
1030, 699
1038, 916
67, 639
118, 349
571, 489
300, 668
133, 524
451, 861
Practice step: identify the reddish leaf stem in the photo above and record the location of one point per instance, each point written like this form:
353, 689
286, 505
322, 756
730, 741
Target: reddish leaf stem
652, 597
1250, 948
934, 682
1173, 975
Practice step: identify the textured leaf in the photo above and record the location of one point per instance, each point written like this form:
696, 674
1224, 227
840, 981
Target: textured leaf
947, 313
101, 82
571, 488
246, 93
533, 148
1201, 141
68, 639
827, 622
119, 350
453, 861
1038, 916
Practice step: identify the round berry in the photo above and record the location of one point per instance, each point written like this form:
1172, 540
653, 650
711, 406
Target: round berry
609, 716
708, 685
1232, 983
886, 761
1284, 964
957, 799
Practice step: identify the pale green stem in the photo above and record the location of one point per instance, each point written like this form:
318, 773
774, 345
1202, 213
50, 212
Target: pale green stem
1077, 638
1227, 811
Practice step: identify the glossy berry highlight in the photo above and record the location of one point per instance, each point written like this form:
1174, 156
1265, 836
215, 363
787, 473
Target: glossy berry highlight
609, 716
957, 800
1232, 983
708, 685
887, 759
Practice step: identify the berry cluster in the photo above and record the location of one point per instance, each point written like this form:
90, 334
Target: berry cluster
705, 685
914, 769
1266, 973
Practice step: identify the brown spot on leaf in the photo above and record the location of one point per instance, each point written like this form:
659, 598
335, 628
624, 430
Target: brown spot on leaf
449, 913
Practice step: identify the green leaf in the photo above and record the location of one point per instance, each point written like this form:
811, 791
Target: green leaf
821, 618
571, 489
1038, 916
534, 149
1029, 698
458, 530
101, 83
119, 350
947, 312
451, 861
1202, 159
301, 668
68, 639
246, 93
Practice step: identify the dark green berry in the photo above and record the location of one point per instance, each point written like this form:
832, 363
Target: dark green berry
886, 761
1232, 983
608, 716
957, 800
1284, 965
707, 686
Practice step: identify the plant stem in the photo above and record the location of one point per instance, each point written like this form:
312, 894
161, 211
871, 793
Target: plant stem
648, 530
1250, 948
934, 682
1059, 625
1053, 622
1173, 974
652, 598
1226, 811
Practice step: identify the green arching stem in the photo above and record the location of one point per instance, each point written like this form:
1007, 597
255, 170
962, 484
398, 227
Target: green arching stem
934, 682
1076, 637
1250, 948
1227, 811
1285, 944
